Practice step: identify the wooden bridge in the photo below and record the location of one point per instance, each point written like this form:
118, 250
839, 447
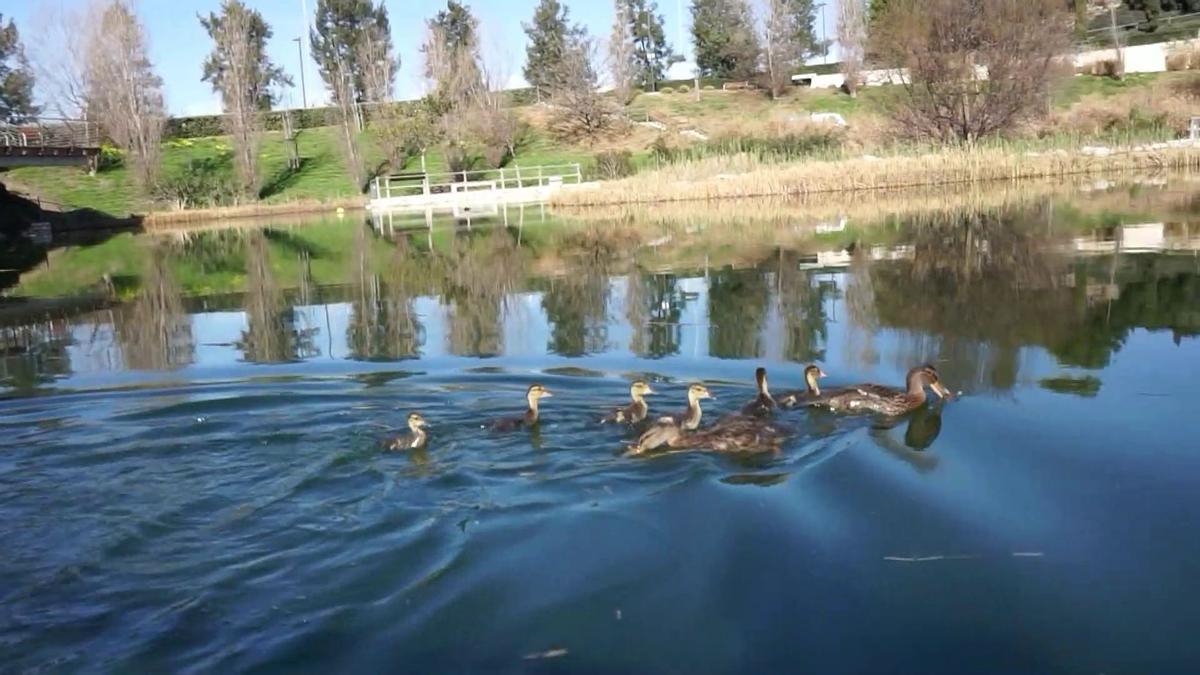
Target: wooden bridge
49, 142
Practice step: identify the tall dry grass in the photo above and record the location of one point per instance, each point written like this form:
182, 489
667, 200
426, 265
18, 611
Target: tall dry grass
742, 176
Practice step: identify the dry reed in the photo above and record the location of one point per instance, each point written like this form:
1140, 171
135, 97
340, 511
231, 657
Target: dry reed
260, 210
737, 177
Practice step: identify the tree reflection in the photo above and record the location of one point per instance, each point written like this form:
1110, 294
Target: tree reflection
653, 307
738, 303
479, 272
577, 306
270, 335
383, 325
153, 330
802, 308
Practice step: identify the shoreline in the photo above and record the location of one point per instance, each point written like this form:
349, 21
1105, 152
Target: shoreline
739, 178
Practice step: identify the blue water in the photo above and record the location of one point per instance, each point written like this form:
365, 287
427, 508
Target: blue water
214, 496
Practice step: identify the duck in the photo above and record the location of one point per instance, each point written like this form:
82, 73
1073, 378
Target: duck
730, 435
415, 438
812, 390
883, 400
535, 393
762, 405
668, 427
634, 412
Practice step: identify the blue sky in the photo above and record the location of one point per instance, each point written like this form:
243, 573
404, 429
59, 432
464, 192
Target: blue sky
178, 44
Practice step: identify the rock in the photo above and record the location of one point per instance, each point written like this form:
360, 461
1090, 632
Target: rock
1095, 151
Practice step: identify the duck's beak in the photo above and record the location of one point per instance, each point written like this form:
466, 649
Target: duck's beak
649, 391
821, 373
547, 394
941, 390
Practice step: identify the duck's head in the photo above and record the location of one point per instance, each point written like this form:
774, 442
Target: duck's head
638, 389
928, 375
537, 392
812, 374
416, 421
699, 391
760, 378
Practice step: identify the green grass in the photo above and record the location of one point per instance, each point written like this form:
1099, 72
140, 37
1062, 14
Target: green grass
322, 175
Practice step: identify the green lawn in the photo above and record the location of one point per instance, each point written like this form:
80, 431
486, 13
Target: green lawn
322, 174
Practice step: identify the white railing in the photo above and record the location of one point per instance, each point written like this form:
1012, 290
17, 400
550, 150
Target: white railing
507, 178
51, 133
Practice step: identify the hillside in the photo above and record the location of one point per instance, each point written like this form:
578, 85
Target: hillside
672, 119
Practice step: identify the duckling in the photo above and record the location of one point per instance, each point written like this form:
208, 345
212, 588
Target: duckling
634, 412
812, 390
876, 398
667, 428
416, 437
535, 393
762, 405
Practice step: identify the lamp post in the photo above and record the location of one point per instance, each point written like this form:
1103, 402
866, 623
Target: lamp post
303, 93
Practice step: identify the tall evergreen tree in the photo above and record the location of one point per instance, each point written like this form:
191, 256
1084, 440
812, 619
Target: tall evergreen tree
256, 74
549, 36
725, 39
652, 56
337, 40
16, 77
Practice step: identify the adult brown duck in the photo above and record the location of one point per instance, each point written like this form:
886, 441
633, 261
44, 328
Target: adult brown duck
535, 393
762, 405
416, 436
637, 410
883, 400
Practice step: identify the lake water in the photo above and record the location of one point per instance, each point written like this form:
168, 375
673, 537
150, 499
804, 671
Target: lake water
192, 476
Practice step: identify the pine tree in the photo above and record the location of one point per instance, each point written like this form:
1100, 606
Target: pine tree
341, 29
16, 77
256, 72
549, 36
725, 39
652, 56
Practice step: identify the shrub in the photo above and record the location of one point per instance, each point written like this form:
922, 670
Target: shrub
1184, 59
614, 164
202, 183
684, 89
666, 90
662, 152
1113, 68
110, 157
709, 87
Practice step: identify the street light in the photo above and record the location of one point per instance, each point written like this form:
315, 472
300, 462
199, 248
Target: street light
300, 49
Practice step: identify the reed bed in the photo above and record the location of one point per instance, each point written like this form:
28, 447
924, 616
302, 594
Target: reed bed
743, 176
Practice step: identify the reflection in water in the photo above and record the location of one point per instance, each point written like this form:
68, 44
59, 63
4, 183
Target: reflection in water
271, 335
971, 292
153, 330
921, 429
481, 270
738, 302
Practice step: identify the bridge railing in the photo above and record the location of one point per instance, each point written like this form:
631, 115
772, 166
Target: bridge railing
507, 178
51, 133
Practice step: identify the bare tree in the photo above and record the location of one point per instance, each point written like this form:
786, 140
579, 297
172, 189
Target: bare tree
59, 58
784, 46
970, 68
349, 122
123, 93
580, 111
374, 56
852, 40
620, 53
241, 72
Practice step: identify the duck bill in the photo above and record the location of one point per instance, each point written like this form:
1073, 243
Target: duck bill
941, 390
546, 393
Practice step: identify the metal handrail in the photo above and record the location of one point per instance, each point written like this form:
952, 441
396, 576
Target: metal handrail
383, 187
51, 133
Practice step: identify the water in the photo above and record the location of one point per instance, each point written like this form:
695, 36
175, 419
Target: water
192, 477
